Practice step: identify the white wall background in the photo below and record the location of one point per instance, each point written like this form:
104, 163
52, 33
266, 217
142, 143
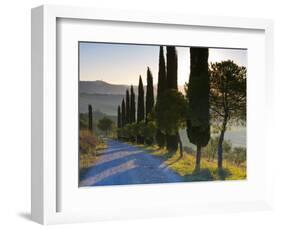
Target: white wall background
15, 113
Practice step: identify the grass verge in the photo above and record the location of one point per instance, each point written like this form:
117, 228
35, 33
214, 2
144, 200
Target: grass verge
185, 166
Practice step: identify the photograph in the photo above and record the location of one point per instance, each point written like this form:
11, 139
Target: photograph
151, 114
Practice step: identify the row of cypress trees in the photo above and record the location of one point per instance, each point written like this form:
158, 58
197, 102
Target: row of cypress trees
127, 113
197, 118
167, 80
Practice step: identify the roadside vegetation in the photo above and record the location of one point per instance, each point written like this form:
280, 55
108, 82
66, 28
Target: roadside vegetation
185, 165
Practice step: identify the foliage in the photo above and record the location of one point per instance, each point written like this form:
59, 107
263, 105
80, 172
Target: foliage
211, 149
89, 144
83, 121
227, 92
144, 129
172, 68
106, 125
198, 118
162, 78
171, 116
149, 132
238, 155
171, 112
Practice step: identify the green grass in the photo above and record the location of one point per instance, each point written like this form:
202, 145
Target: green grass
208, 171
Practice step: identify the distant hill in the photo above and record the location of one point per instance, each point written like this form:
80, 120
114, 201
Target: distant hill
102, 87
106, 103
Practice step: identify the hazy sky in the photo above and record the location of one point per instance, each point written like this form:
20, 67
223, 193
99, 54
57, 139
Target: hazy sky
122, 64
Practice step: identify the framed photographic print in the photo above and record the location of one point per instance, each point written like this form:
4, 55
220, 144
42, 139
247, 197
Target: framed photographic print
137, 114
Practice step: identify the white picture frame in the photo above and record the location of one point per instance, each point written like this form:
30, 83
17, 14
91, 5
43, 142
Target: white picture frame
45, 167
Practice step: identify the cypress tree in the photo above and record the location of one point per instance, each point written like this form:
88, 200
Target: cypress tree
133, 106
90, 118
149, 103
198, 118
140, 109
119, 122
149, 95
161, 87
172, 84
123, 113
127, 107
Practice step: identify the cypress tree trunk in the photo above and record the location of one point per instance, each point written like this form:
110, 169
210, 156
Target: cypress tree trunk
90, 118
180, 144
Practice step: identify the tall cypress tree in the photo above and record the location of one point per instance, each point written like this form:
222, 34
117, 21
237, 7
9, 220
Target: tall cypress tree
149, 95
198, 120
161, 87
172, 84
90, 118
133, 106
127, 107
140, 109
123, 113
119, 122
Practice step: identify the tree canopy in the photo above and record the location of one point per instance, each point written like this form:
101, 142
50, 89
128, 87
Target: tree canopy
105, 124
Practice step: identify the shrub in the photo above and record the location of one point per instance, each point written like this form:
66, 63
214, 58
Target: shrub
87, 142
239, 155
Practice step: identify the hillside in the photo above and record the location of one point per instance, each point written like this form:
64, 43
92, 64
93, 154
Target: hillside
102, 87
